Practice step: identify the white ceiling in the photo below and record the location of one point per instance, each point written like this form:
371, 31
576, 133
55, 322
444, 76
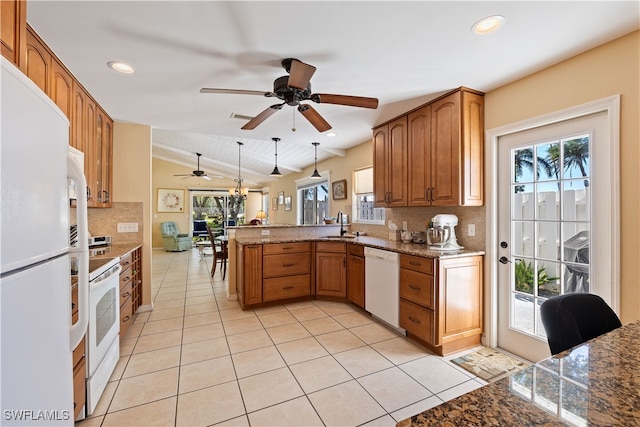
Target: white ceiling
403, 53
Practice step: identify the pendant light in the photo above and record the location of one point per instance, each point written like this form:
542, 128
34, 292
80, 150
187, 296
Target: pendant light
239, 191
315, 174
276, 172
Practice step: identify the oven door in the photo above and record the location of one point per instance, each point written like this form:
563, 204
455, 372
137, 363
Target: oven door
104, 316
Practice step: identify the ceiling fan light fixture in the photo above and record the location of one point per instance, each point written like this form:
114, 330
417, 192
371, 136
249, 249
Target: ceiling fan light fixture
315, 174
331, 134
120, 67
488, 25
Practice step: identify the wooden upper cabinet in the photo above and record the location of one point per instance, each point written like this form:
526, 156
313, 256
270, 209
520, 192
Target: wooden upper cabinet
433, 155
90, 170
420, 165
61, 88
13, 25
390, 163
445, 150
79, 118
38, 62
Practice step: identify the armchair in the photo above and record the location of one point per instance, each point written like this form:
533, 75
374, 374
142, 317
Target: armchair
173, 240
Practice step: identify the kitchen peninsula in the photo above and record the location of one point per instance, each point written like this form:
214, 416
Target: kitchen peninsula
595, 384
439, 293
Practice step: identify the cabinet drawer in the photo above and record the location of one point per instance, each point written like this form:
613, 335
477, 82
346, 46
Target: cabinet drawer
417, 263
79, 388
125, 261
286, 248
357, 250
286, 265
125, 292
126, 317
78, 353
417, 320
125, 278
286, 287
417, 287
331, 247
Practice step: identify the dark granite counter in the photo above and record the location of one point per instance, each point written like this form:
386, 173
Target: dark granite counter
374, 242
595, 384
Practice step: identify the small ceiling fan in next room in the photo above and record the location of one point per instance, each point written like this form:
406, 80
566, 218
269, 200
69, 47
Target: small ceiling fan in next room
293, 90
199, 173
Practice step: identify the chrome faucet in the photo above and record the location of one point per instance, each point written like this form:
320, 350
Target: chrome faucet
342, 230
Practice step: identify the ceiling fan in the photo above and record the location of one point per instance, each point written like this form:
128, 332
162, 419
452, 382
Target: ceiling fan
293, 89
199, 173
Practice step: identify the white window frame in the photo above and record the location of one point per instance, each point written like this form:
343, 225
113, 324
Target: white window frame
357, 199
307, 182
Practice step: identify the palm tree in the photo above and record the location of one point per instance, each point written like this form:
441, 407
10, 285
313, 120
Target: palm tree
524, 160
576, 154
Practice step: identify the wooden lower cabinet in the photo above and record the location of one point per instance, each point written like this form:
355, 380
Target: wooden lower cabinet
79, 386
355, 274
441, 301
331, 269
279, 288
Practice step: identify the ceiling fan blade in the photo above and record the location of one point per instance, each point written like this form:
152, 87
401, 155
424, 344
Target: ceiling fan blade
208, 178
314, 117
300, 74
354, 101
253, 123
184, 174
237, 92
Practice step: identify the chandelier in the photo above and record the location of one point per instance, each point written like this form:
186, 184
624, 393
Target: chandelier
239, 190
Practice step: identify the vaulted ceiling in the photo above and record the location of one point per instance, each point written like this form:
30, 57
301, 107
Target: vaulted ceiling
403, 53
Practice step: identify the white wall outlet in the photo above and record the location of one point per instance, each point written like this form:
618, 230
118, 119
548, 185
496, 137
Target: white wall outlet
265, 232
127, 227
471, 231
404, 225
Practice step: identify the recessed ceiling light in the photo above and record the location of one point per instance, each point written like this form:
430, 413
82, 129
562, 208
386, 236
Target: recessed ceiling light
120, 67
488, 25
331, 134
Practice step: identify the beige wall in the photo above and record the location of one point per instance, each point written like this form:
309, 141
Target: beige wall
598, 73
131, 183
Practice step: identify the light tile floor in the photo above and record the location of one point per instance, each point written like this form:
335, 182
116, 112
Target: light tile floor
199, 360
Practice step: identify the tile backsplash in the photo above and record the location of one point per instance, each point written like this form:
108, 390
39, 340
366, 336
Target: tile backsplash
417, 217
105, 221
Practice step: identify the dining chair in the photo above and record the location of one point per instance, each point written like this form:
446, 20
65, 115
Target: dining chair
220, 253
571, 319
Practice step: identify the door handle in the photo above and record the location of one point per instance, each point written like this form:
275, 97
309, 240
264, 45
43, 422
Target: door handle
504, 260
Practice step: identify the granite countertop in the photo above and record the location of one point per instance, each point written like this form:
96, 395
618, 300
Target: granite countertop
374, 242
595, 384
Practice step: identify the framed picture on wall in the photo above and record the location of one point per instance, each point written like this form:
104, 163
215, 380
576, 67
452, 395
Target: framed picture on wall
287, 203
281, 198
339, 189
170, 200
274, 204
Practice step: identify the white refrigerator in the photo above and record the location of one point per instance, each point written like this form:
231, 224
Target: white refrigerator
37, 337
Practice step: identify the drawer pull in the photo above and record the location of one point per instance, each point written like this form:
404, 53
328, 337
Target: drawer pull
414, 320
126, 319
415, 288
416, 263
288, 265
286, 288
287, 248
126, 295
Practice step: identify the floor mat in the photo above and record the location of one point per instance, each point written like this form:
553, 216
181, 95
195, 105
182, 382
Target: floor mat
489, 364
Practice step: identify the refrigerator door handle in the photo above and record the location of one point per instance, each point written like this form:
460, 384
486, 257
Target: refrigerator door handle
75, 172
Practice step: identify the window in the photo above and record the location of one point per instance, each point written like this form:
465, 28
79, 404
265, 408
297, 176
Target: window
364, 200
314, 199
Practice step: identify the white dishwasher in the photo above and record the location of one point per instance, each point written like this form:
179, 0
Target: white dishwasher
382, 286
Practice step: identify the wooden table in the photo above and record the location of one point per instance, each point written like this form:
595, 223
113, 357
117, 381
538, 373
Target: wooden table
595, 384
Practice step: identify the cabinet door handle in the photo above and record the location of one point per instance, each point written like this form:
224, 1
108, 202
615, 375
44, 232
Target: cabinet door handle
288, 265
126, 295
88, 193
126, 319
286, 288
415, 288
106, 196
414, 320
